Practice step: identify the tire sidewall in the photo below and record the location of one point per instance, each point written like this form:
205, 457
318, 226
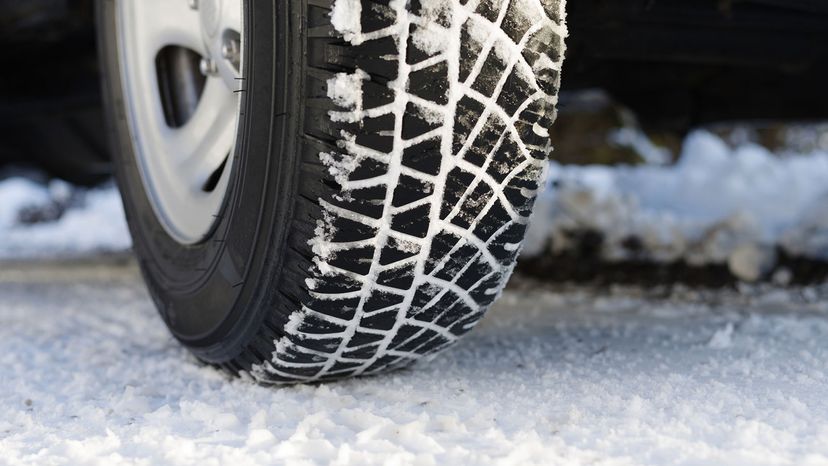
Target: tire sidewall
209, 294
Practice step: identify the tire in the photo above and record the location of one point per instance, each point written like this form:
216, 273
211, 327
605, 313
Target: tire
376, 207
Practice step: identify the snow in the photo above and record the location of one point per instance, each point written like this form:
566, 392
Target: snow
551, 376
641, 144
430, 36
722, 338
717, 204
345, 17
87, 220
345, 90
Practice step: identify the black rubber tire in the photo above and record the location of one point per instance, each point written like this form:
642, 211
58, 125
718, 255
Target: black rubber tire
360, 235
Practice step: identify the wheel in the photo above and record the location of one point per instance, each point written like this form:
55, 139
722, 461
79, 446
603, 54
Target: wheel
322, 189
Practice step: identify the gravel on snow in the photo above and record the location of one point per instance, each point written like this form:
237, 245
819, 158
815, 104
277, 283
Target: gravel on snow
90, 375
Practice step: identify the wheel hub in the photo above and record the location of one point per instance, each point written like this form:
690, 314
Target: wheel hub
185, 167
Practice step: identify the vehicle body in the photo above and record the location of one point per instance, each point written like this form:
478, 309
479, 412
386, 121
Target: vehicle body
368, 201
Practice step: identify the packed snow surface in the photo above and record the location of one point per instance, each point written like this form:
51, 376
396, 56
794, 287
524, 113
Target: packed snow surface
579, 376
84, 220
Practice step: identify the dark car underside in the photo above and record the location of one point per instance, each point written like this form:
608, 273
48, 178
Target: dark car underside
676, 63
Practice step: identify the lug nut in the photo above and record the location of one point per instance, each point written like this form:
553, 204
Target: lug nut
208, 67
230, 51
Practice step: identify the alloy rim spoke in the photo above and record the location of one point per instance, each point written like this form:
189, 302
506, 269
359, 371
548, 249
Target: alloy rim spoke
231, 17
207, 138
158, 23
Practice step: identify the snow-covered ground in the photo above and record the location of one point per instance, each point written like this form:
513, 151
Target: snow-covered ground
44, 220
89, 375
718, 204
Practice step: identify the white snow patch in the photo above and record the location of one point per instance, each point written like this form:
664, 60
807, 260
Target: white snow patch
430, 36
340, 166
540, 130
345, 90
637, 140
345, 18
723, 338
18, 193
93, 220
809, 237
716, 205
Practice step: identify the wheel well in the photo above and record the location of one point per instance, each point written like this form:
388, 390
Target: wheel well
681, 63
50, 102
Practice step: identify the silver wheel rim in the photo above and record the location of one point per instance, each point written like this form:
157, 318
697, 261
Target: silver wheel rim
185, 168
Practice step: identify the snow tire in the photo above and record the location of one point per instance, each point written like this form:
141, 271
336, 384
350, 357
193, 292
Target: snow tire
423, 135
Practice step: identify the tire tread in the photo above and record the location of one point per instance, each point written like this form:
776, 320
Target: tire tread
398, 255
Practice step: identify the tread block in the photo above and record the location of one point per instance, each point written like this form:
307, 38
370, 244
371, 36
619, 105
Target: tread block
376, 16
396, 251
486, 142
400, 277
377, 133
417, 122
339, 308
456, 184
455, 262
412, 222
465, 119
366, 201
431, 83
382, 321
516, 23
362, 338
504, 160
381, 300
470, 49
490, 74
368, 168
424, 157
410, 190
356, 260
496, 217
424, 294
441, 246
472, 207
346, 231
516, 91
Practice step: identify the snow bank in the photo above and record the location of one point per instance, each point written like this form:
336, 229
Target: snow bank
65, 220
716, 205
